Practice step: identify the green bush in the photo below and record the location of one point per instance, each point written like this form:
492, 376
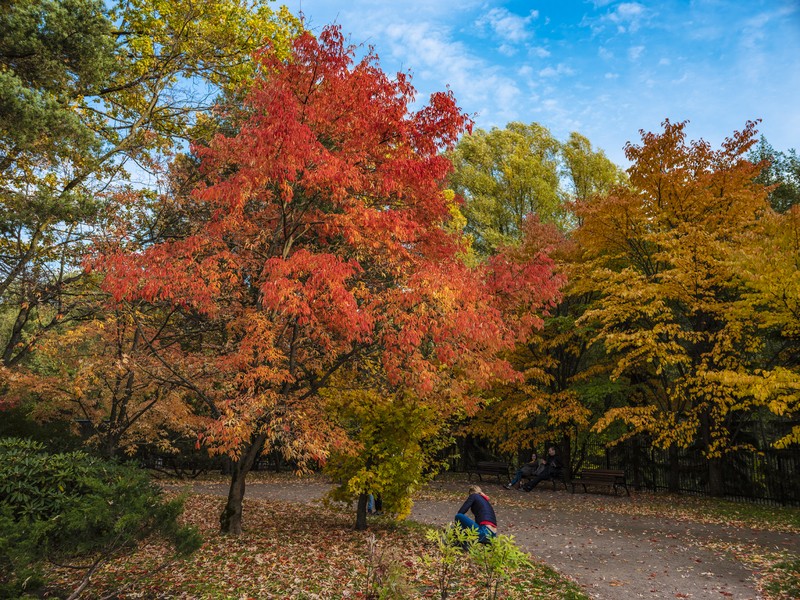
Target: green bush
70, 506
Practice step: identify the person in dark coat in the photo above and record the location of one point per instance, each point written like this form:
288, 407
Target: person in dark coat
552, 470
485, 521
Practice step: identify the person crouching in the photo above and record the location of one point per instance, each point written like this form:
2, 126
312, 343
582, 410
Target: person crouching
485, 521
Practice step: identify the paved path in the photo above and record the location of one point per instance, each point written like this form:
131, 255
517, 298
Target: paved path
611, 555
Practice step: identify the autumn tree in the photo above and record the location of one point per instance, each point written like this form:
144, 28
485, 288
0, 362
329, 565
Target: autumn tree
518, 186
102, 374
769, 261
316, 241
504, 175
661, 257
565, 386
91, 93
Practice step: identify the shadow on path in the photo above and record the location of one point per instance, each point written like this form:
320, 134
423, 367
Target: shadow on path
611, 555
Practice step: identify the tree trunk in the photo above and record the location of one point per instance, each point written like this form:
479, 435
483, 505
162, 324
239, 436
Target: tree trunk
716, 483
361, 512
673, 479
714, 469
566, 457
231, 518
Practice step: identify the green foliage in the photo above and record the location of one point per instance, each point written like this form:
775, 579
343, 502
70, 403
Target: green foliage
780, 171
505, 174
395, 439
590, 171
70, 506
51, 52
497, 560
449, 543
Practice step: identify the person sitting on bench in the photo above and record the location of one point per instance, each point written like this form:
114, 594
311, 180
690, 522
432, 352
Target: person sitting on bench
526, 471
552, 469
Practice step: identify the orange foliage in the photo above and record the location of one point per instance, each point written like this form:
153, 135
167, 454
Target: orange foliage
661, 254
318, 238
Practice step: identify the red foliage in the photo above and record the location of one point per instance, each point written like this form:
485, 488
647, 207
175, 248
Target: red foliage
318, 239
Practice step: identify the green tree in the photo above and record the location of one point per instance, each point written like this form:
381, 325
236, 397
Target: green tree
780, 171
74, 509
394, 437
590, 171
505, 175
90, 95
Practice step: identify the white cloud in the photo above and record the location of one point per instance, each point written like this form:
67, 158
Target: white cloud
525, 71
540, 52
612, 75
507, 50
635, 52
605, 53
511, 28
560, 69
627, 16
664, 62
437, 60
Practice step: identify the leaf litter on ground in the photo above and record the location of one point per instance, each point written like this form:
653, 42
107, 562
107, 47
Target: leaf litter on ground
294, 550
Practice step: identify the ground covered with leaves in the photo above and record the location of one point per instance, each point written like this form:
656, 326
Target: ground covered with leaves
291, 550
777, 572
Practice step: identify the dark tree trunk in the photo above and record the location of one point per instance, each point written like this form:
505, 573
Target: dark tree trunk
231, 518
361, 512
673, 480
716, 483
716, 486
566, 457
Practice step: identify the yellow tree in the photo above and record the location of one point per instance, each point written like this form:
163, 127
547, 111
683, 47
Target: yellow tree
770, 265
660, 255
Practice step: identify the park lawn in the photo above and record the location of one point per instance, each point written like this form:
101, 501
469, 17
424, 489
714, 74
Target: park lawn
291, 550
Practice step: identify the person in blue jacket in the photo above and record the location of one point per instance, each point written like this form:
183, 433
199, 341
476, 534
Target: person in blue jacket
485, 521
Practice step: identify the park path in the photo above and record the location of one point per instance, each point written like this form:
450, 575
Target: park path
612, 555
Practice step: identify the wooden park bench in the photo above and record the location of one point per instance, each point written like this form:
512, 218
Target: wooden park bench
560, 478
606, 477
487, 467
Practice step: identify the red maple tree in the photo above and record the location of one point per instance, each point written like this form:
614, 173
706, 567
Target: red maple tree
315, 240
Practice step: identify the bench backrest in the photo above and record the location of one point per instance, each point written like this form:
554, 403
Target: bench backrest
609, 472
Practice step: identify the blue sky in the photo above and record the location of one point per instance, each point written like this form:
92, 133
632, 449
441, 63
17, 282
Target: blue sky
605, 69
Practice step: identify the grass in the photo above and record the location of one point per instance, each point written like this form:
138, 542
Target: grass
291, 550
782, 580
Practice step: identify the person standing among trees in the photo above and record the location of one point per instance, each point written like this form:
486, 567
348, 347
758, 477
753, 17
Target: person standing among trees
485, 522
552, 470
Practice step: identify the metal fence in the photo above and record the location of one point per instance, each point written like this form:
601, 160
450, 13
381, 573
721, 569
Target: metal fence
770, 476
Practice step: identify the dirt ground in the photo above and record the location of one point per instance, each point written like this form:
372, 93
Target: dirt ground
612, 554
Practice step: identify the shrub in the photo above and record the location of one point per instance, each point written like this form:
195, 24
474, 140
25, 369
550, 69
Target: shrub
69, 506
